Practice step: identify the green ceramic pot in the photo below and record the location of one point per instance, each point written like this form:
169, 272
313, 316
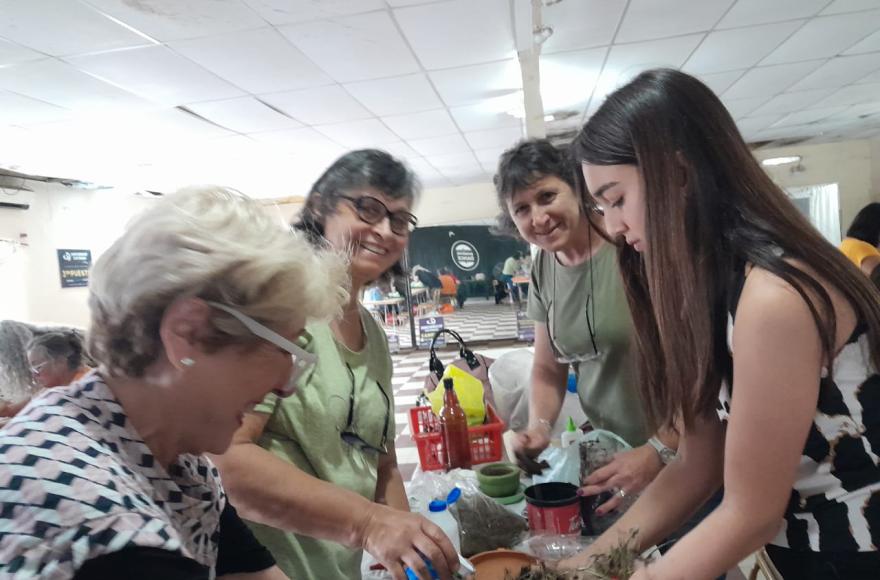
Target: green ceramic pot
498, 479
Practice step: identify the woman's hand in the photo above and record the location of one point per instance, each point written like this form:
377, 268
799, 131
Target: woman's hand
630, 471
399, 539
528, 445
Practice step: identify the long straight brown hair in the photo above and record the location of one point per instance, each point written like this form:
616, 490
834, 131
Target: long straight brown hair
709, 209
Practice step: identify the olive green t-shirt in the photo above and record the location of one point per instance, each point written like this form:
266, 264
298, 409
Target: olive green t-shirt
305, 430
606, 384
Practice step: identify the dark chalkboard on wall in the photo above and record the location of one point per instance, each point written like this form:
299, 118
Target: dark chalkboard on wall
466, 250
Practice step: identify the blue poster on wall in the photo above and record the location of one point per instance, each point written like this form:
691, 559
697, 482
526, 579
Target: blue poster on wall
427, 327
74, 265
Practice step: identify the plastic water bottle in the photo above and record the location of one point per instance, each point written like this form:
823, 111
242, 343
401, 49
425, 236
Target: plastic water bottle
439, 515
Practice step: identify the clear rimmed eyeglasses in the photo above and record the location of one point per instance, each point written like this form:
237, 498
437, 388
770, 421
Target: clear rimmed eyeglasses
302, 360
372, 211
37, 369
350, 436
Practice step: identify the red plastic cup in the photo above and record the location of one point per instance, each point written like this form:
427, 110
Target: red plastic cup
553, 508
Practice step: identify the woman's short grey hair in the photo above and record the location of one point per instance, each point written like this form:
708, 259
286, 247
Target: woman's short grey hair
355, 170
59, 346
212, 243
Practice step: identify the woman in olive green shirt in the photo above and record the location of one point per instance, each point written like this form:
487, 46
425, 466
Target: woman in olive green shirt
316, 473
582, 320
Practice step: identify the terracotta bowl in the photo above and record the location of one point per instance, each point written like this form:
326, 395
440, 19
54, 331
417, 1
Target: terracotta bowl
493, 565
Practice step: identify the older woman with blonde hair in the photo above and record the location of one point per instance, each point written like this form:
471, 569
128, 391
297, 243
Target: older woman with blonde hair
193, 316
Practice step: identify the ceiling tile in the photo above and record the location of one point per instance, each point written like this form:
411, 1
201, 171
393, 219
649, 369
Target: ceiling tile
851, 95
298, 141
399, 3
739, 48
485, 115
649, 19
871, 78
466, 176
455, 161
788, 102
770, 80
837, 33
62, 27
278, 12
868, 44
359, 134
421, 125
839, 6
354, 48
243, 115
19, 110
567, 79
473, 84
319, 106
400, 150
720, 82
459, 32
61, 84
625, 61
859, 113
840, 71
156, 73
450, 144
581, 24
167, 20
808, 116
258, 61
751, 125
488, 158
743, 107
427, 173
408, 94
494, 138
751, 12
11, 53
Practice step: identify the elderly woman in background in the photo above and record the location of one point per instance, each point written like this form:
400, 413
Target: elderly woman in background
317, 473
193, 316
55, 359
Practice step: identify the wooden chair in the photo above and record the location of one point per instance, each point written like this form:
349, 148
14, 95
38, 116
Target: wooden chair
764, 566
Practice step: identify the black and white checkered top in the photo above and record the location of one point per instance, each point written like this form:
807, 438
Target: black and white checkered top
77, 482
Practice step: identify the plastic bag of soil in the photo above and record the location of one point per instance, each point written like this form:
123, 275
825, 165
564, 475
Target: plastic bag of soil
483, 523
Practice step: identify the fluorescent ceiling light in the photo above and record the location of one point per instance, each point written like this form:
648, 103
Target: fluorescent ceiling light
780, 160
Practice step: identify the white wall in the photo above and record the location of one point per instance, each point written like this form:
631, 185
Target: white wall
457, 205
853, 165
59, 217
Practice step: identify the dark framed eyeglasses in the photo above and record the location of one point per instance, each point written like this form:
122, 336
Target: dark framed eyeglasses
573, 358
348, 433
372, 211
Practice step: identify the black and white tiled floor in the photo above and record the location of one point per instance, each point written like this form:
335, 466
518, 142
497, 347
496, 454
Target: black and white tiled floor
407, 382
479, 321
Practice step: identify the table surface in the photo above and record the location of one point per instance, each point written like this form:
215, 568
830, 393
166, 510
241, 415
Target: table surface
383, 302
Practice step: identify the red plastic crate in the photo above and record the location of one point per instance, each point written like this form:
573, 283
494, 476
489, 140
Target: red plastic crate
485, 439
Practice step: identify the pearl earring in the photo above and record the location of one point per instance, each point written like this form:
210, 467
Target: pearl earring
187, 362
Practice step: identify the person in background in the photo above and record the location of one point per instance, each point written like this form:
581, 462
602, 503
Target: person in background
316, 474
508, 271
55, 359
429, 280
862, 240
449, 286
194, 311
754, 334
582, 321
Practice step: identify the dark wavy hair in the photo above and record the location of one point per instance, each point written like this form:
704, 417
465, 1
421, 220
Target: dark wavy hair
729, 213
65, 346
356, 169
866, 225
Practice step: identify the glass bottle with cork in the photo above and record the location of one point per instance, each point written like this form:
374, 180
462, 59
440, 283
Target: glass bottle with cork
454, 429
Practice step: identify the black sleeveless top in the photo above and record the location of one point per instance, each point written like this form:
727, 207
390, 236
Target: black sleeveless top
835, 503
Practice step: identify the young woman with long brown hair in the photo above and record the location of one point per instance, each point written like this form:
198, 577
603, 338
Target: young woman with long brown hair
753, 333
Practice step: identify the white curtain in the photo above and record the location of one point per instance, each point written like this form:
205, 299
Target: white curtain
824, 208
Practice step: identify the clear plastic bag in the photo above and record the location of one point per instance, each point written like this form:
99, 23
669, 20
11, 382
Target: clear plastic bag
483, 523
565, 465
552, 548
596, 450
